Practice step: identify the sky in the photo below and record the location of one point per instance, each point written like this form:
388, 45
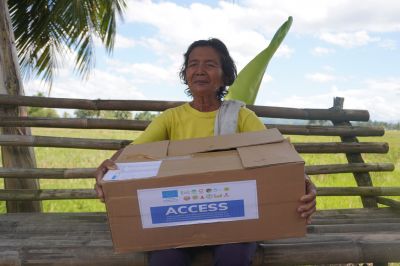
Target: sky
346, 48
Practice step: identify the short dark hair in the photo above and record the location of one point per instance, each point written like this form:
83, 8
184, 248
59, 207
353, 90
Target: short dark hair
228, 66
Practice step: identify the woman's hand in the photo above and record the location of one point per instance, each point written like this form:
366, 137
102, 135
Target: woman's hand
100, 172
308, 201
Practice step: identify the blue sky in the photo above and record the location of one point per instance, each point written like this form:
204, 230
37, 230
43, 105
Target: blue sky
347, 48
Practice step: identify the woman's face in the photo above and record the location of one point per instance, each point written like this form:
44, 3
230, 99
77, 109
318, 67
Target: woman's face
204, 73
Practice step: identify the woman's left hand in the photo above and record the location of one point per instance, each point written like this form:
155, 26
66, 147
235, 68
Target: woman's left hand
308, 201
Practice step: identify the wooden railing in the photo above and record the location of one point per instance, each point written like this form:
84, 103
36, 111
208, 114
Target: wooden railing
341, 128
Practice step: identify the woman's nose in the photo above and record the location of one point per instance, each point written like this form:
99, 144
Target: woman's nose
200, 69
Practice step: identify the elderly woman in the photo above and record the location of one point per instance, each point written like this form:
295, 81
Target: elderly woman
207, 70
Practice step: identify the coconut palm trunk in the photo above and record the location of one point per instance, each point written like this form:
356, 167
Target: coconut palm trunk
11, 84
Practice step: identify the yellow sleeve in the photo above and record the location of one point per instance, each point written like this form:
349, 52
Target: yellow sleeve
249, 121
157, 130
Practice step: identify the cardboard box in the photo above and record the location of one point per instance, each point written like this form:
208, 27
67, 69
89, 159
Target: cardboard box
232, 188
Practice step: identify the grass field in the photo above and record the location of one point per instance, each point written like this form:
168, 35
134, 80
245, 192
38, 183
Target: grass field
72, 158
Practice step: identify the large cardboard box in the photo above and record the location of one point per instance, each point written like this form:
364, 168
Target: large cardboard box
223, 189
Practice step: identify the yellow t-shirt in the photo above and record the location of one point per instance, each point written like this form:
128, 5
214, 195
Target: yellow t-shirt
185, 122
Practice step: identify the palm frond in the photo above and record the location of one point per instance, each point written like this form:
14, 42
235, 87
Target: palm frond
46, 30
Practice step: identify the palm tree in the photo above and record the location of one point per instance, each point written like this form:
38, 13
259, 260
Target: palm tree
45, 30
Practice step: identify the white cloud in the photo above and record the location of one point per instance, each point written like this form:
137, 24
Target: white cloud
348, 40
267, 78
146, 72
388, 44
320, 51
248, 26
100, 85
321, 77
120, 42
242, 29
328, 68
376, 97
311, 16
123, 42
284, 51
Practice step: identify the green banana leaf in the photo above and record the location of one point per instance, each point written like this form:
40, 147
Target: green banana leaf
247, 83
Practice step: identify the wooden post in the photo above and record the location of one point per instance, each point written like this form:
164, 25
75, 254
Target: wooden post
11, 84
362, 179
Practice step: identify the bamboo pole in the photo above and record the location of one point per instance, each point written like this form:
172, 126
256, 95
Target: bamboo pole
141, 125
74, 123
72, 173
337, 249
46, 194
48, 173
388, 202
10, 86
358, 191
357, 213
63, 142
141, 105
86, 104
364, 220
58, 194
110, 144
340, 147
363, 179
349, 168
353, 228
328, 130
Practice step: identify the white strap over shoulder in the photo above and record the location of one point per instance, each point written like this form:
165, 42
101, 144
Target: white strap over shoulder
227, 116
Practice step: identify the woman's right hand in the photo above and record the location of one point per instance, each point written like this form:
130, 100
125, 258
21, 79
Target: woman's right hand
100, 172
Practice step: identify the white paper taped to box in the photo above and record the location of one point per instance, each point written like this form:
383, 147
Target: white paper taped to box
137, 170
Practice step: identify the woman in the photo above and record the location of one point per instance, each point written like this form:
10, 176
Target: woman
207, 70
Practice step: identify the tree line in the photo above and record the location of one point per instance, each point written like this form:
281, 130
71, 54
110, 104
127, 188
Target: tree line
51, 113
385, 125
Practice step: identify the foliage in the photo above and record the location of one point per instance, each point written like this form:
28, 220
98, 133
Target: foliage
46, 30
116, 114
386, 125
146, 115
86, 113
40, 111
245, 88
103, 114
320, 122
66, 115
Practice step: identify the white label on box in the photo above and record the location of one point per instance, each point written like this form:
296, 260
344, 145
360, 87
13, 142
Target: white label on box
137, 170
201, 203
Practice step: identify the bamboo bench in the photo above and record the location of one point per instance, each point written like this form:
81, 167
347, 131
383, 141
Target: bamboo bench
362, 235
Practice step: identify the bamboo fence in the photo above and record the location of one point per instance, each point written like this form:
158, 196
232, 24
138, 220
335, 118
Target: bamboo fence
341, 127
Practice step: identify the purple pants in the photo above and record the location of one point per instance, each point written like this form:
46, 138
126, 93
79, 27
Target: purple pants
238, 254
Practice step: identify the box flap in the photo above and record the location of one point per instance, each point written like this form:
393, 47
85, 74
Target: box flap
268, 154
224, 142
144, 152
201, 163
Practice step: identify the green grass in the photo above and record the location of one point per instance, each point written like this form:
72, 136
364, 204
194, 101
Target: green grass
76, 158
347, 180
